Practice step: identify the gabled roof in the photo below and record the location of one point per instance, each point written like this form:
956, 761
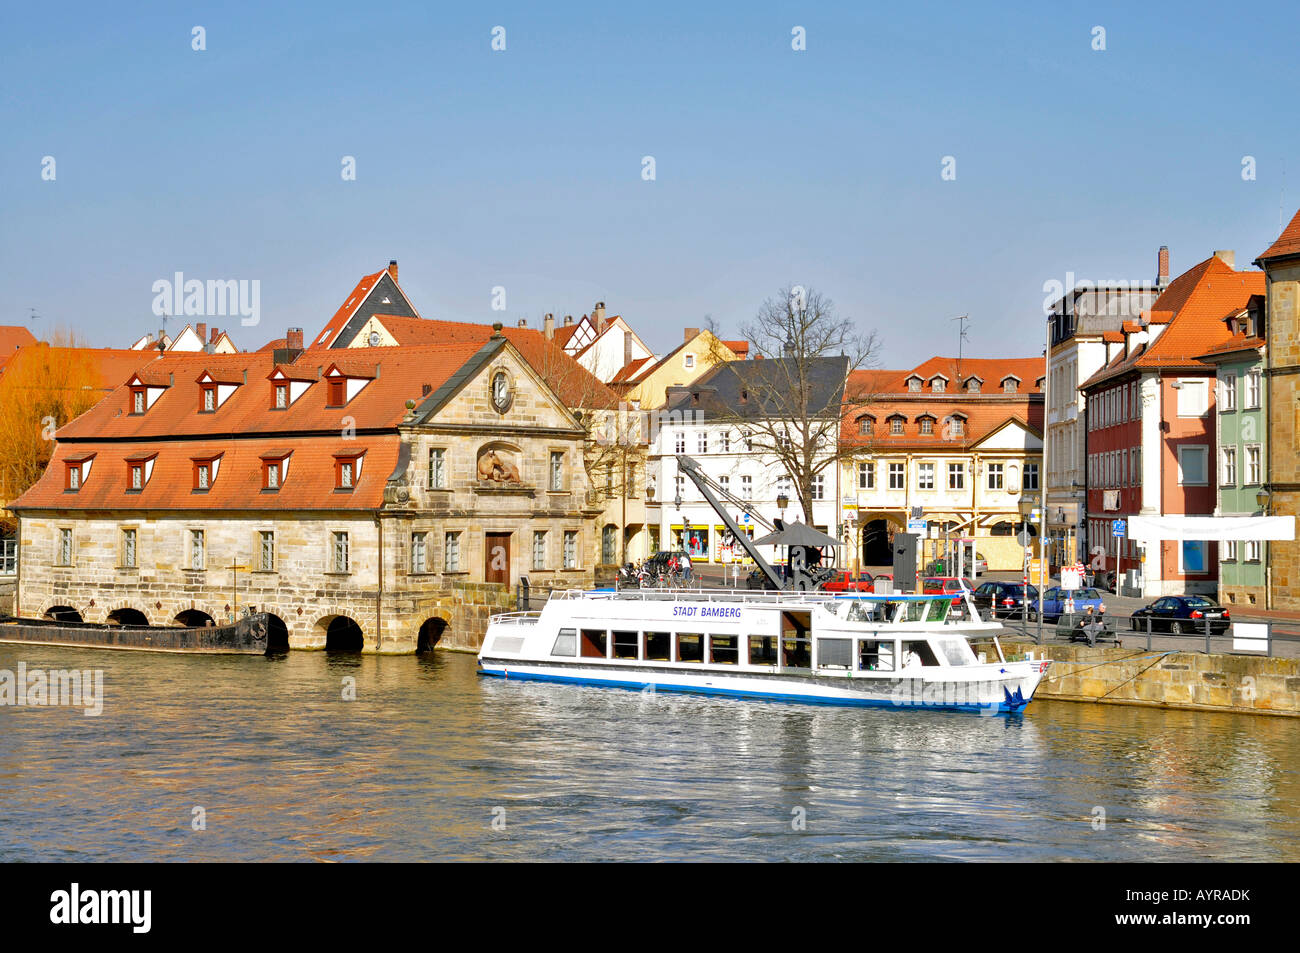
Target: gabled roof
325, 337
1198, 300
14, 336
1288, 243
738, 388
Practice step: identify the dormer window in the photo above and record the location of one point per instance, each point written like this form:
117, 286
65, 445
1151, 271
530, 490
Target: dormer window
973, 385
957, 426
347, 470
205, 472
146, 387
76, 470
914, 384
209, 398
927, 425
275, 469
1010, 384
287, 385
866, 426
216, 387
896, 426
137, 400
938, 384
139, 468
345, 382
281, 396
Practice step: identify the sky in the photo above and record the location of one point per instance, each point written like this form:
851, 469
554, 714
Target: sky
524, 168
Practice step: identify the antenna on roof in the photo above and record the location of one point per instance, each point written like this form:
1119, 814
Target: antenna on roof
961, 336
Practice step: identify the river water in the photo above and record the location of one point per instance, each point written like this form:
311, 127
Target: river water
432, 762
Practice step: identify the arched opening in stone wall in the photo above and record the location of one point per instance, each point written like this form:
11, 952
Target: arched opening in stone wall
128, 616
63, 614
277, 634
341, 634
193, 618
430, 633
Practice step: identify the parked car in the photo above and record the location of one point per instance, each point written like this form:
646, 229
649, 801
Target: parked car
1054, 601
845, 581
1100, 579
1182, 614
1006, 599
934, 585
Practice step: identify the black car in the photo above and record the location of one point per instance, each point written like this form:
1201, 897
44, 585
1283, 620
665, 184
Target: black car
1180, 614
1005, 599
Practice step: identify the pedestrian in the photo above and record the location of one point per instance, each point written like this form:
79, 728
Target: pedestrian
686, 566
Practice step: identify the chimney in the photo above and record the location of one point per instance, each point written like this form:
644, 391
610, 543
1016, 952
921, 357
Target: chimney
548, 326
392, 269
293, 339
1162, 269
627, 348
692, 334
568, 320
216, 333
1227, 256
598, 316
202, 331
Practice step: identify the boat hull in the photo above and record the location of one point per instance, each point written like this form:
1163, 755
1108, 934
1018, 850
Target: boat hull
1004, 689
245, 637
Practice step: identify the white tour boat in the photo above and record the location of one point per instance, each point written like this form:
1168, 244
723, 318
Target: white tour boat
902, 651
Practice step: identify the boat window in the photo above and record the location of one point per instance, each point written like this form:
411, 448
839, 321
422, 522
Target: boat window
658, 646
626, 645
593, 643
566, 643
797, 653
956, 651
875, 655
915, 611
835, 653
937, 610
864, 610
762, 650
917, 653
724, 649
690, 647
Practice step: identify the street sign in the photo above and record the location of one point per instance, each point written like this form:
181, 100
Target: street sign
1072, 577
916, 526
1023, 536
1118, 528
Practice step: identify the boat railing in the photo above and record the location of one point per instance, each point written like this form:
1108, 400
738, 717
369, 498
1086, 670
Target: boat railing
516, 618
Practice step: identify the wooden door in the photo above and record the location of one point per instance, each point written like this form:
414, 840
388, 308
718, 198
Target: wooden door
496, 558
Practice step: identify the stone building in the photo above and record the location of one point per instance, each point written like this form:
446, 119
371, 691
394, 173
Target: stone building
1281, 264
379, 500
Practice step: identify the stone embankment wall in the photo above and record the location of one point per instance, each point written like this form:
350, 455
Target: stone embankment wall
1237, 683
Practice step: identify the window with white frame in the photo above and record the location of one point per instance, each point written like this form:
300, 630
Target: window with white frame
1254, 467
956, 476
1228, 393
724, 441
1252, 551
1031, 476
65, 547
746, 487
725, 483
1191, 466
340, 557
897, 476
702, 442
539, 550
1252, 390
819, 487
679, 441
451, 552
784, 485
995, 476
1228, 471
896, 425
688, 361
570, 549
679, 485
867, 475
927, 425
419, 555
266, 546
925, 476
128, 548
1192, 398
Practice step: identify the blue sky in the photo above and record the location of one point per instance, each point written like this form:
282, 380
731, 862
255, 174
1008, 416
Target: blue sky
523, 168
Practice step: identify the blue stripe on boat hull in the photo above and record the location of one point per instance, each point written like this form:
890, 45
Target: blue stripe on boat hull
999, 709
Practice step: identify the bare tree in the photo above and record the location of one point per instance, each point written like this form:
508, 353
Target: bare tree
793, 392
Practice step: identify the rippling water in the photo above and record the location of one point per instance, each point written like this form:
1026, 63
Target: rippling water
429, 755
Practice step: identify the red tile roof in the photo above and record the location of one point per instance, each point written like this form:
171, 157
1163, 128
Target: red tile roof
981, 419
1288, 243
1197, 301
341, 316
992, 371
14, 336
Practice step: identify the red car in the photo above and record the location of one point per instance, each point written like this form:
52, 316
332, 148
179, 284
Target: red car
844, 581
935, 585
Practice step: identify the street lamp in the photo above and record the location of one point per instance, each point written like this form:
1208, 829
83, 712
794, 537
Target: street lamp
782, 501
1263, 498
